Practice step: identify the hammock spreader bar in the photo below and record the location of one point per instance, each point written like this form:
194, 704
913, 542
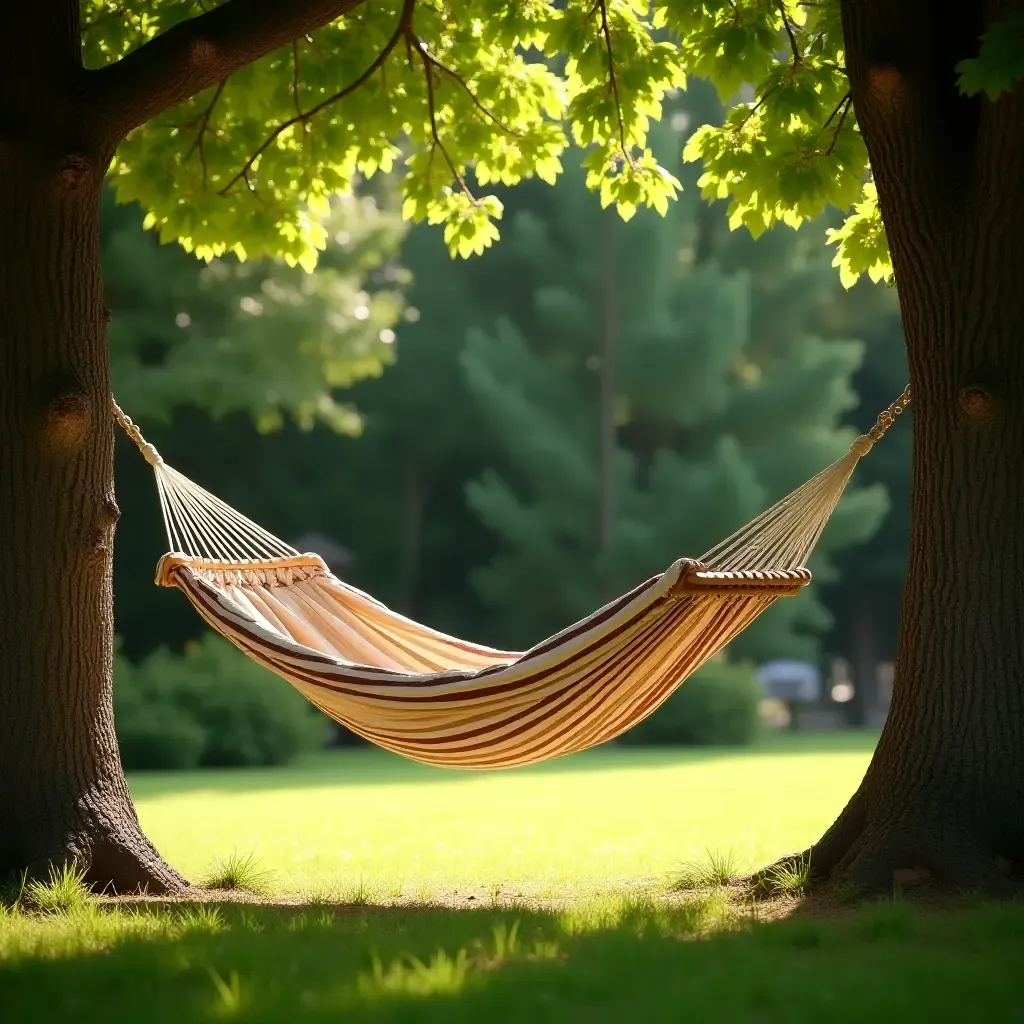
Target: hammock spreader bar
444, 701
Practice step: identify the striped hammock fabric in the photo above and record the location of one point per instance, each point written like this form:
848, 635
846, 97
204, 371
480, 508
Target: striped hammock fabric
439, 700
443, 701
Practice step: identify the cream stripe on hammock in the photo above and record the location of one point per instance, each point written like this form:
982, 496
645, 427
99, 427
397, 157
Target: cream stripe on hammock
444, 701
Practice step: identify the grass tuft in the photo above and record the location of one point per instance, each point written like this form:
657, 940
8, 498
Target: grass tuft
717, 869
200, 918
12, 890
238, 871
63, 892
789, 877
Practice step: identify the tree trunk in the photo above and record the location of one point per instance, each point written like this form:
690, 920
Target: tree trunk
944, 794
63, 795
863, 657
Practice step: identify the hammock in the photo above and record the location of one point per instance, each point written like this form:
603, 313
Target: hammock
443, 701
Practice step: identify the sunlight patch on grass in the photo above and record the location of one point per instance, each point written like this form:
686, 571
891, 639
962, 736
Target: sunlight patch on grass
588, 824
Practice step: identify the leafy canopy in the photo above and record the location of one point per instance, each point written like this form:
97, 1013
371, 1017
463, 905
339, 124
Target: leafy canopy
465, 96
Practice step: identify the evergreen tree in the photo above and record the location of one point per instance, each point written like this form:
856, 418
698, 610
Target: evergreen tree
866, 604
719, 397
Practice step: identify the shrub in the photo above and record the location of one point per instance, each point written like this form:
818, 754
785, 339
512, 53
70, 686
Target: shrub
209, 706
718, 704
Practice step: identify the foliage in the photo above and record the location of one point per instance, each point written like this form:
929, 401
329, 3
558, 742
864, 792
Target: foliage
1000, 61
865, 597
211, 706
493, 92
257, 337
716, 706
724, 400
248, 165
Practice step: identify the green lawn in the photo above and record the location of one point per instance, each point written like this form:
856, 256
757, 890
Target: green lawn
604, 829
602, 819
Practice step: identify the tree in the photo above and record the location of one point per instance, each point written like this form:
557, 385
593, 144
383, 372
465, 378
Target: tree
942, 120
638, 332
233, 126
865, 600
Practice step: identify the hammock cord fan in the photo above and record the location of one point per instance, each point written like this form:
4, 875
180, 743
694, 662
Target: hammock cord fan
443, 701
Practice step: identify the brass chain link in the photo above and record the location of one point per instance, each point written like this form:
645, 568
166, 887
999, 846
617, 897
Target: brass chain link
887, 417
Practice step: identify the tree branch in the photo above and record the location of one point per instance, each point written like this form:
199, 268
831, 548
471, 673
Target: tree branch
845, 105
204, 124
602, 6
401, 31
789, 32
196, 54
426, 56
414, 44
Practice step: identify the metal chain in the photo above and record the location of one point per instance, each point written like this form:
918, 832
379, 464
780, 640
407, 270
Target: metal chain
887, 417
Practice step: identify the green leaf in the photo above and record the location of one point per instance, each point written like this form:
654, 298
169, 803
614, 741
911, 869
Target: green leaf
862, 244
1000, 61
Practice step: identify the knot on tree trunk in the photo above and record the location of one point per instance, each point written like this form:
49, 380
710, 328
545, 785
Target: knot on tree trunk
74, 169
977, 402
886, 86
203, 53
66, 422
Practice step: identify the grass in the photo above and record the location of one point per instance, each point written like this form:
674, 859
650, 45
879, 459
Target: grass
393, 830
357, 929
715, 870
238, 871
63, 892
788, 878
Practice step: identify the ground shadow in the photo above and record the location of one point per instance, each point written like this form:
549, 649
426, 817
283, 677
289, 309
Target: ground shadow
644, 962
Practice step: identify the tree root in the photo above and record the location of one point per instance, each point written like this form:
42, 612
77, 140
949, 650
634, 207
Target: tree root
114, 860
879, 862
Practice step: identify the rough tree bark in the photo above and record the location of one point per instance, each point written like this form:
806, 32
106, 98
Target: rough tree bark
62, 792
944, 794
63, 795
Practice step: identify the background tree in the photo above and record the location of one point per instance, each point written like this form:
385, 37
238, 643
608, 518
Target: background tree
865, 599
258, 336
711, 418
